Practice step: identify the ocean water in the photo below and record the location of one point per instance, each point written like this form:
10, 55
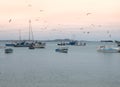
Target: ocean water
82, 66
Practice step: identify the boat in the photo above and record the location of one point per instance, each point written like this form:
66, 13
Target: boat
31, 46
77, 43
22, 44
107, 49
9, 44
13, 43
8, 50
118, 43
62, 49
111, 41
80, 43
39, 45
62, 44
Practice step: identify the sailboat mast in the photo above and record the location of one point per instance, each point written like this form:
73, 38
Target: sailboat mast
19, 34
29, 28
30, 31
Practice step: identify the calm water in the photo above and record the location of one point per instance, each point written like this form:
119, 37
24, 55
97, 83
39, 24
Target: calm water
80, 67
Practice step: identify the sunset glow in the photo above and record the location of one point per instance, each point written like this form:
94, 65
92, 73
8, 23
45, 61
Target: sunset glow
53, 19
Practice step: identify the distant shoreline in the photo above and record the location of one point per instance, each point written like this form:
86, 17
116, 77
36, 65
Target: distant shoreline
60, 40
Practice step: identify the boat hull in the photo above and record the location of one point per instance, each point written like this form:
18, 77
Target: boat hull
109, 50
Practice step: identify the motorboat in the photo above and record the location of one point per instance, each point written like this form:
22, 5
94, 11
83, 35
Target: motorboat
62, 49
8, 50
107, 49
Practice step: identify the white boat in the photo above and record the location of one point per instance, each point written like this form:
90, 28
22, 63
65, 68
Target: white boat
107, 49
39, 45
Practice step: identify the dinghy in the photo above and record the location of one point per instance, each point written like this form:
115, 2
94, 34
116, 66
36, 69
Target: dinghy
62, 49
8, 50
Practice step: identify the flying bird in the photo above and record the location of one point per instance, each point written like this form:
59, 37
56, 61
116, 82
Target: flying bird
41, 10
81, 28
10, 20
88, 32
36, 19
92, 25
110, 35
99, 25
88, 14
29, 5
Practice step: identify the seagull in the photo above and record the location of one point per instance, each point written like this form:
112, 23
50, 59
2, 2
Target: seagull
92, 25
81, 28
110, 35
36, 19
41, 10
88, 14
88, 32
10, 20
29, 5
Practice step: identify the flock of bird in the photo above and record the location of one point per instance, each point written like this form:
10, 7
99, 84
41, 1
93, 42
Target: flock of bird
62, 30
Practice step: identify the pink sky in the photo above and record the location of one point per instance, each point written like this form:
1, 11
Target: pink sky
62, 15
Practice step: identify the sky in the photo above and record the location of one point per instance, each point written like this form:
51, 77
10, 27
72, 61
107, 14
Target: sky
52, 19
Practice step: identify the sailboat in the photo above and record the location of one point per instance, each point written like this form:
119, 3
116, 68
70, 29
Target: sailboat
34, 44
25, 43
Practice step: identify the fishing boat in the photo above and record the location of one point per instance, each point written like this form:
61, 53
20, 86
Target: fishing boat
62, 49
8, 50
107, 49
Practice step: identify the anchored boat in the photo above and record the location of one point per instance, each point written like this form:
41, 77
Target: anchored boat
8, 50
39, 45
118, 43
106, 49
62, 49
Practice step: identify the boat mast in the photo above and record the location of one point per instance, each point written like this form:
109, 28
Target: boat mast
19, 34
30, 31
29, 28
